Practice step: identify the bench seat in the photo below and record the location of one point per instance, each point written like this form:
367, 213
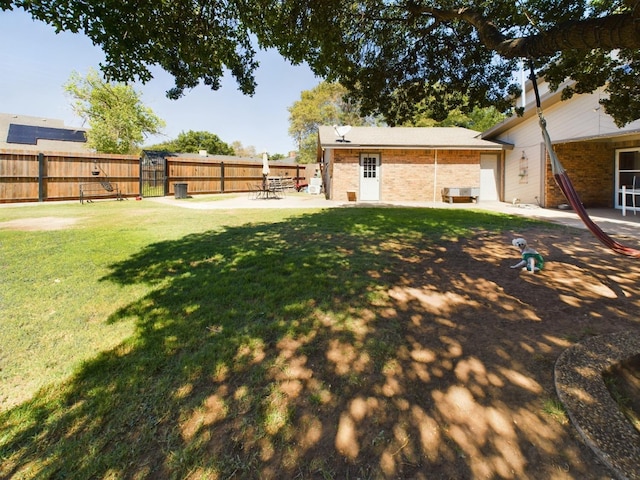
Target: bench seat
103, 189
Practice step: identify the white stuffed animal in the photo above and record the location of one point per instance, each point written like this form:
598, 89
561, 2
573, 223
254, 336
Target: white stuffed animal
530, 257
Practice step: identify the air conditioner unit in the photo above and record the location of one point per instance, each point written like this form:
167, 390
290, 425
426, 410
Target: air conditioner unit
314, 189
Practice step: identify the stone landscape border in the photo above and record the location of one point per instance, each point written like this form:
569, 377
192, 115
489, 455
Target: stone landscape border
593, 411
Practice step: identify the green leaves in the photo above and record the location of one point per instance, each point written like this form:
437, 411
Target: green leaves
374, 48
115, 112
193, 142
326, 104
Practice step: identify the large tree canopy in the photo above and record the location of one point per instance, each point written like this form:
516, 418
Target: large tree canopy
389, 53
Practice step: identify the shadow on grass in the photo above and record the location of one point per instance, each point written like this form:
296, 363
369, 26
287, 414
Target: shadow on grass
349, 343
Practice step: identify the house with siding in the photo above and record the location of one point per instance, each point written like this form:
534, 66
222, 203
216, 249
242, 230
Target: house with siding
599, 157
384, 164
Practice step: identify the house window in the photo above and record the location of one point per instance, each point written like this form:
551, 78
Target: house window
627, 173
369, 167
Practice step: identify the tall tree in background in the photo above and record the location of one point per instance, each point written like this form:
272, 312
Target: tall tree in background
117, 118
479, 119
421, 115
374, 48
242, 151
326, 104
194, 142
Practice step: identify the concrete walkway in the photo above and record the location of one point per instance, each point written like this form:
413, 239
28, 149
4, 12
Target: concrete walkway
610, 221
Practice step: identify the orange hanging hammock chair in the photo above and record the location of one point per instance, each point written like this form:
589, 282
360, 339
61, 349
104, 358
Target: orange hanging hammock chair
566, 186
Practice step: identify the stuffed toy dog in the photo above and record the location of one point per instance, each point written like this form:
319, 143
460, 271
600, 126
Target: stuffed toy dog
530, 257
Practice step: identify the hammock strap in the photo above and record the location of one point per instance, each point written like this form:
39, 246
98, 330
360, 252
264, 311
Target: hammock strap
566, 186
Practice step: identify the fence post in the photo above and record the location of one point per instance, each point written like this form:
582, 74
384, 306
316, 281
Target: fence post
41, 177
140, 173
165, 162
221, 177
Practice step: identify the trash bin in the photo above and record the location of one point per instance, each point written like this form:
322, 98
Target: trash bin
180, 190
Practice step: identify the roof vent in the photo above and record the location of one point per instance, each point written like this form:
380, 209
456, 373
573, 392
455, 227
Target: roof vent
202, 153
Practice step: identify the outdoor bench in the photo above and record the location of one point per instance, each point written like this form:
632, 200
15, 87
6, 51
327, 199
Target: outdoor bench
103, 189
450, 193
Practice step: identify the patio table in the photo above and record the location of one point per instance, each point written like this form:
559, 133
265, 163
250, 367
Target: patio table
272, 188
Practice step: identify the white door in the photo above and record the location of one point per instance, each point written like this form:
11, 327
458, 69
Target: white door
489, 178
370, 177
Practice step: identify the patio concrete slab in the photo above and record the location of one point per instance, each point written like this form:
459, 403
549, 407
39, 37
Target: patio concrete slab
610, 220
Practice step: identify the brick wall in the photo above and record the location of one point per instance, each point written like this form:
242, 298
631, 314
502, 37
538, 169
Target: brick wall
458, 168
345, 179
408, 175
591, 168
344, 174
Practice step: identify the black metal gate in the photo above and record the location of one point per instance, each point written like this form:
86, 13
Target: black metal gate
153, 175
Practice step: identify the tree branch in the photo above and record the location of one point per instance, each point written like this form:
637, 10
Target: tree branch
608, 33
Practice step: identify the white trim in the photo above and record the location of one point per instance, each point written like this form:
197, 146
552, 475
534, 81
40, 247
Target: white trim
622, 191
352, 146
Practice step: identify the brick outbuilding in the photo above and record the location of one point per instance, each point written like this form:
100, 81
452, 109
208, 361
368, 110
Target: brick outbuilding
381, 164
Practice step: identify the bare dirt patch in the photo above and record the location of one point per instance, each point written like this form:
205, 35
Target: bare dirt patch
467, 392
40, 223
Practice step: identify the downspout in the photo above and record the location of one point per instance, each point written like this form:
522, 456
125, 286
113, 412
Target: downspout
435, 176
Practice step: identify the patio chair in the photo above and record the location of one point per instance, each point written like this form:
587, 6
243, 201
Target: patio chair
288, 184
255, 191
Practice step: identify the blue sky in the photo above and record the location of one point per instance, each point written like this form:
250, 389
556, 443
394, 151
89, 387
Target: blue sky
35, 63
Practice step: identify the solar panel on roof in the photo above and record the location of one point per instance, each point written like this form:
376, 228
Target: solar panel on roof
30, 134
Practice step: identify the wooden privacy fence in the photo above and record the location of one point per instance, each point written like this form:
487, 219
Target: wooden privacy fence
226, 174
27, 176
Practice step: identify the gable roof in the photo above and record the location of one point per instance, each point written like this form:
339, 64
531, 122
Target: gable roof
450, 138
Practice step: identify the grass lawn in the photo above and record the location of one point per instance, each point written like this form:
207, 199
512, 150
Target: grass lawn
149, 341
